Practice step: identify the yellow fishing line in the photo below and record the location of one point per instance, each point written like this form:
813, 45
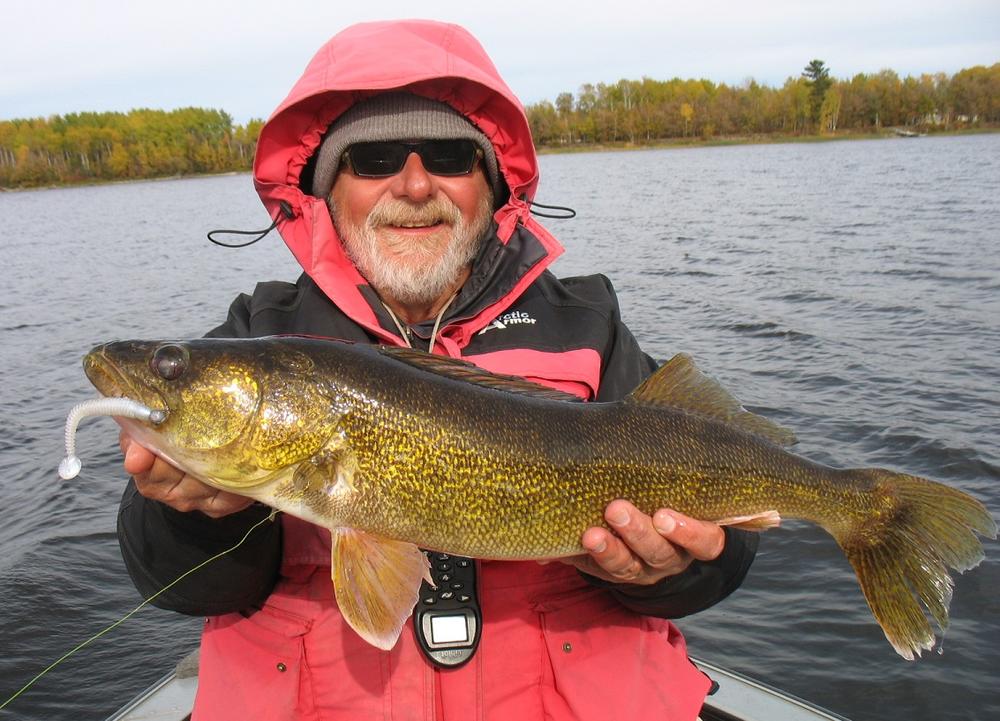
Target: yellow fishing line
135, 610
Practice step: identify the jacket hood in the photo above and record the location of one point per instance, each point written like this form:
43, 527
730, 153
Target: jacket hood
437, 60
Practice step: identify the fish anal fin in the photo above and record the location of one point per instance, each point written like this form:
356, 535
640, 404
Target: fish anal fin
376, 582
679, 384
462, 370
754, 522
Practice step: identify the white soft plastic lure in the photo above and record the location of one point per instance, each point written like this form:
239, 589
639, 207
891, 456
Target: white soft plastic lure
70, 466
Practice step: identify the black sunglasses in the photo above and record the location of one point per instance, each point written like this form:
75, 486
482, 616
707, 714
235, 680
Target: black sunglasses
440, 157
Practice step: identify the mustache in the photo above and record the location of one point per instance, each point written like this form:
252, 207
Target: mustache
399, 212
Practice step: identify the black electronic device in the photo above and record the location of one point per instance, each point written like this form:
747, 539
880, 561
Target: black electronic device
447, 617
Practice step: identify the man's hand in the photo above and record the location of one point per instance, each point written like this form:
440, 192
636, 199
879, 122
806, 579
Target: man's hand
158, 480
645, 549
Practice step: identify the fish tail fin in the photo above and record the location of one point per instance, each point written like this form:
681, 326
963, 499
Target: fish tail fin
912, 531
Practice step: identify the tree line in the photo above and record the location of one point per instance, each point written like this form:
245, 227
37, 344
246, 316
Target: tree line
648, 110
85, 147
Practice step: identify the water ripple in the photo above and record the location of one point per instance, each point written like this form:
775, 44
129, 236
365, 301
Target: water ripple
768, 330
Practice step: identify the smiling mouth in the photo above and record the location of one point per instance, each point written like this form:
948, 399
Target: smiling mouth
416, 225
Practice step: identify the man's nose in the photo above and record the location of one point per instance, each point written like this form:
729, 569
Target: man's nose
413, 181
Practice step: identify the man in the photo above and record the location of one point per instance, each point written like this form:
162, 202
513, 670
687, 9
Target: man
401, 169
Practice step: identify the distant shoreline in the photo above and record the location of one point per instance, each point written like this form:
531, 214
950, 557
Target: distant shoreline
121, 181
666, 143
763, 139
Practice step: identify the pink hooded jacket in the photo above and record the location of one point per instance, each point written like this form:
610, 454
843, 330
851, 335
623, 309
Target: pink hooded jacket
433, 59
553, 646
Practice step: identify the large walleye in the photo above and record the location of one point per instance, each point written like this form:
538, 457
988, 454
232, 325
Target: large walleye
394, 449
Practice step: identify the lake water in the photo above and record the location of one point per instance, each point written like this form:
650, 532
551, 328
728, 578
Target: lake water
851, 290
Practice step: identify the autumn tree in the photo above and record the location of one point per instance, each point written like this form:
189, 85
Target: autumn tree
143, 143
818, 81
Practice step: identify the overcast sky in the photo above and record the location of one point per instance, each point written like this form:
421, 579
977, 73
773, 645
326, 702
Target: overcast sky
242, 56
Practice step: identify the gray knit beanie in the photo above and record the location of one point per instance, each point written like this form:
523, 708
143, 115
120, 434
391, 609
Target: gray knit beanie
396, 116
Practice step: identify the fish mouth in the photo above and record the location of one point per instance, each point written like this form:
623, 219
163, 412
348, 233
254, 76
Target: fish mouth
112, 381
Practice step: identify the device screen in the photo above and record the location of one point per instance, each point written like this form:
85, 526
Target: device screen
449, 629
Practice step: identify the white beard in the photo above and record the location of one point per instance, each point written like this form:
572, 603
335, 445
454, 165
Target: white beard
414, 272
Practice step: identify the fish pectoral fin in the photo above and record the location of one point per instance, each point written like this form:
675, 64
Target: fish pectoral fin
376, 582
754, 522
679, 383
333, 471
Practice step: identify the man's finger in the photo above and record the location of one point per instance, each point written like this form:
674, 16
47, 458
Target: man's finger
702, 539
137, 459
611, 555
636, 531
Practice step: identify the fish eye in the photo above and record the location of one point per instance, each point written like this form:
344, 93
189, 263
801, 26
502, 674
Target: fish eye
169, 361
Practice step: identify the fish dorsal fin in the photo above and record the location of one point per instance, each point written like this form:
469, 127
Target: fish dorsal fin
679, 383
462, 370
376, 582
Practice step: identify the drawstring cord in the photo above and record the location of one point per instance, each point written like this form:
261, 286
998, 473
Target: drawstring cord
404, 333
437, 321
286, 210
565, 215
